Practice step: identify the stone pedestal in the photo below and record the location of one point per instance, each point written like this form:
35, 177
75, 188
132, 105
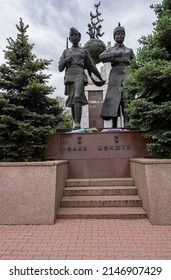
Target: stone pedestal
97, 154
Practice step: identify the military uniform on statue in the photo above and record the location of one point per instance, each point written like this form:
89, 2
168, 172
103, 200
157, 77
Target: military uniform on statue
120, 57
75, 60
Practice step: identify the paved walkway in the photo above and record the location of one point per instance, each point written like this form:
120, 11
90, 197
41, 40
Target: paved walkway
86, 239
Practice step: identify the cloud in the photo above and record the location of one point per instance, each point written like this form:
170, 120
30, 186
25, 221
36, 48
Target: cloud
50, 20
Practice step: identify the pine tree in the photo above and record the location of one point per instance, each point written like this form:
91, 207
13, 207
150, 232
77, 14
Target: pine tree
27, 113
149, 84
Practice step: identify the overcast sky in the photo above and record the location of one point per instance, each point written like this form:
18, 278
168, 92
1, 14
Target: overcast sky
50, 20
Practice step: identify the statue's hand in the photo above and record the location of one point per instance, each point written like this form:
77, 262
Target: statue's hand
101, 83
98, 83
68, 58
101, 79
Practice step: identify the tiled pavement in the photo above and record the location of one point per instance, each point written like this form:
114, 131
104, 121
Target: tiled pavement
86, 239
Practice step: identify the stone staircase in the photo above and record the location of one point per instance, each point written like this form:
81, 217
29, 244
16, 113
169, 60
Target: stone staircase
113, 198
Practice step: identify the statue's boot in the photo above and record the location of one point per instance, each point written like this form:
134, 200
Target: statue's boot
77, 114
126, 124
124, 112
73, 112
114, 122
126, 121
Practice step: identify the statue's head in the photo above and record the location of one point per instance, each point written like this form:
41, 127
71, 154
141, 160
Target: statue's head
119, 33
74, 35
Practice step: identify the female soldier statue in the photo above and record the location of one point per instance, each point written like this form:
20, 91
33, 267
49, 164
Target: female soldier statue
120, 57
75, 60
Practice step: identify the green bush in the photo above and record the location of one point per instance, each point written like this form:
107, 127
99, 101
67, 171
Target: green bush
148, 88
27, 114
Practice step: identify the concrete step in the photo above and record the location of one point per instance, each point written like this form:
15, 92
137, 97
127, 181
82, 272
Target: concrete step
104, 198
102, 213
100, 182
101, 201
99, 190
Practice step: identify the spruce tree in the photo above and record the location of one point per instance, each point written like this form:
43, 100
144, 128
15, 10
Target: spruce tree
149, 84
27, 113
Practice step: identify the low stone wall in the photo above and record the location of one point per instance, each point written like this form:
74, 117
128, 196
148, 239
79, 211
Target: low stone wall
30, 193
153, 180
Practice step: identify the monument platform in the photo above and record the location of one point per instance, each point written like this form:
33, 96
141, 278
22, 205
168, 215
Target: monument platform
97, 154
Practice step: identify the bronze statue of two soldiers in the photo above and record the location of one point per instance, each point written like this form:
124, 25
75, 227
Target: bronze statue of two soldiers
76, 59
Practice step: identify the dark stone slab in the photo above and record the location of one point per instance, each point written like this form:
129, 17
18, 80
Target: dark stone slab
97, 154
